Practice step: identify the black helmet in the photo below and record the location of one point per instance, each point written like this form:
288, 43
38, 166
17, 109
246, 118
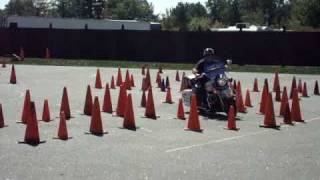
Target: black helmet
208, 52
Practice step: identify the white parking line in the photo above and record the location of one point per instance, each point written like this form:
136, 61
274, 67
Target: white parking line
215, 141
225, 139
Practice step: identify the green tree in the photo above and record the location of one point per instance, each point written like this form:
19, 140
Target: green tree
130, 9
21, 8
306, 13
199, 23
184, 16
234, 14
217, 10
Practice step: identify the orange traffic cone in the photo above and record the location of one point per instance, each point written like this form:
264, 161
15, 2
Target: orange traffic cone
143, 70
269, 118
129, 120
88, 102
287, 115
48, 54
158, 79
32, 132
239, 102
180, 113
2, 125
150, 110
316, 89
143, 99
276, 83
295, 108
278, 95
98, 84
46, 112
128, 81
121, 101
160, 70
255, 85
96, 127
168, 96
62, 130
167, 82
300, 86
231, 120
144, 84
263, 101
148, 79
107, 105
234, 84
293, 86
13, 78
26, 106
247, 102
119, 77
183, 85
132, 81
112, 85
266, 83
21, 53
305, 90
193, 123
284, 101
65, 107
177, 76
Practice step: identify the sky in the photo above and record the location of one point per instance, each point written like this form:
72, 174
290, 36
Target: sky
160, 6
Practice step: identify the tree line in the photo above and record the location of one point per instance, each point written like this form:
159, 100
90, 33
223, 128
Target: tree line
293, 14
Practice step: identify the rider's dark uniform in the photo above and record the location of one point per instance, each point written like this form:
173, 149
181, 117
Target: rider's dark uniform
203, 66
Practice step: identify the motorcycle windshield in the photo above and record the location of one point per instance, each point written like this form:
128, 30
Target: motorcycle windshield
215, 69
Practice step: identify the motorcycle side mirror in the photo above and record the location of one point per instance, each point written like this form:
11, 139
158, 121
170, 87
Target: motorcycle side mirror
229, 62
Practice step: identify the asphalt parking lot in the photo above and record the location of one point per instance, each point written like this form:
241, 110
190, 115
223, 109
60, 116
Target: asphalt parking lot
159, 149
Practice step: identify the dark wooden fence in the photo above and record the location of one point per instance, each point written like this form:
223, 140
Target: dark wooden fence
272, 48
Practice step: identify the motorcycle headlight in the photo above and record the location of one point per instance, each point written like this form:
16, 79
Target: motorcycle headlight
222, 82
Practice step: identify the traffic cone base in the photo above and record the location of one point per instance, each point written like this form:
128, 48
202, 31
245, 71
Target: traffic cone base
268, 126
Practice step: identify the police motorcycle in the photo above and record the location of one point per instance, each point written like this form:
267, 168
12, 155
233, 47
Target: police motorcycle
219, 94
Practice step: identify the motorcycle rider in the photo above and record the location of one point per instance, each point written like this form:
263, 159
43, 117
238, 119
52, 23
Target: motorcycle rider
209, 61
